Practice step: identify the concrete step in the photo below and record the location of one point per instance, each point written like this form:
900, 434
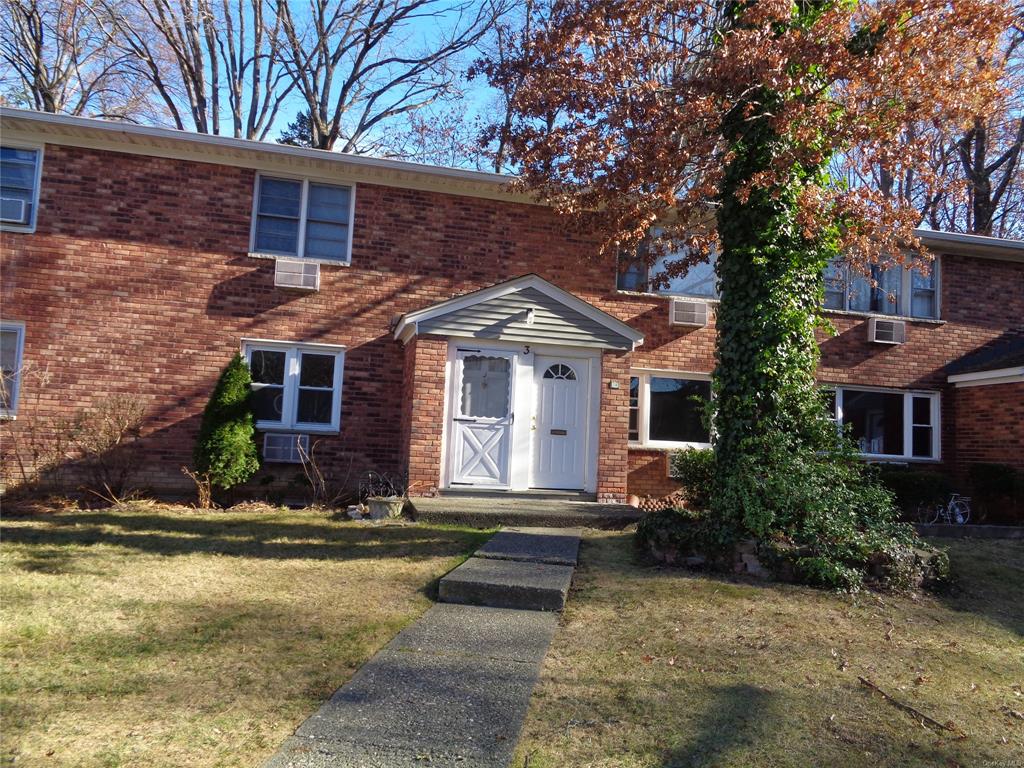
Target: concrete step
534, 495
495, 511
532, 586
555, 546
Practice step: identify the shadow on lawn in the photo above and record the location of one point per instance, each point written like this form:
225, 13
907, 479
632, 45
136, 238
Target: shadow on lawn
736, 716
987, 574
987, 578
264, 539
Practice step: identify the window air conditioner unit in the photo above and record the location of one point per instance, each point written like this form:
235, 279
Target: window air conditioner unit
886, 331
13, 210
693, 314
297, 274
281, 448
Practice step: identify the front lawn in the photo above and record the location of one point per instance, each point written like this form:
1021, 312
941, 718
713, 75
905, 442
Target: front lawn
660, 668
160, 636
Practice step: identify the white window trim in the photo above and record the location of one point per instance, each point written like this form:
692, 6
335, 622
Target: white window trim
31, 226
18, 327
905, 300
293, 351
301, 244
908, 421
644, 411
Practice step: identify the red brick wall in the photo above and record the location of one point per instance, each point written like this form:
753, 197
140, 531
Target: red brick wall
989, 425
613, 430
137, 280
648, 475
425, 359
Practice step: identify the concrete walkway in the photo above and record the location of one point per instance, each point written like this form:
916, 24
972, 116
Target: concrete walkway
451, 689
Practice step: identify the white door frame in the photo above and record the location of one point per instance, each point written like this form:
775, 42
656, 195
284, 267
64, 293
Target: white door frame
524, 402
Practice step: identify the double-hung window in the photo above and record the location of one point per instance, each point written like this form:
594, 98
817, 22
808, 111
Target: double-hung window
699, 281
19, 187
890, 424
895, 290
300, 218
666, 409
296, 386
12, 343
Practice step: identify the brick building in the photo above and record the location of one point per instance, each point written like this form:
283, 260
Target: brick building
429, 321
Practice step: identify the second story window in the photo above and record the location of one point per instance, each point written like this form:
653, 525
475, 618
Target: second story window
303, 219
898, 290
699, 280
19, 187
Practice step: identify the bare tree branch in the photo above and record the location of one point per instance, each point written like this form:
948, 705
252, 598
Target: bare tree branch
360, 63
209, 60
60, 56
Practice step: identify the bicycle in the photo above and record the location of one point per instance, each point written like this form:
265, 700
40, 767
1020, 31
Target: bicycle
957, 511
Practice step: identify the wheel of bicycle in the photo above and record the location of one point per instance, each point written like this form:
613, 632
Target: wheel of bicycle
959, 512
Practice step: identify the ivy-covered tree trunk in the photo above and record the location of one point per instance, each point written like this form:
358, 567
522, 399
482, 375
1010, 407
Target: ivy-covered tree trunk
771, 288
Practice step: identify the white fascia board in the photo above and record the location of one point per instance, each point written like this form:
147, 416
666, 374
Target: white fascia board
406, 327
168, 143
983, 378
972, 245
151, 131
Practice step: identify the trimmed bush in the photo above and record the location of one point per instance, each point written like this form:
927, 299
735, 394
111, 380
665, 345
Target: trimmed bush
998, 491
913, 487
695, 470
991, 480
226, 451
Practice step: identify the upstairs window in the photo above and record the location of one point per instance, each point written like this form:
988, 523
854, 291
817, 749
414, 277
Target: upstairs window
19, 187
666, 410
296, 386
902, 291
898, 290
12, 342
638, 276
303, 219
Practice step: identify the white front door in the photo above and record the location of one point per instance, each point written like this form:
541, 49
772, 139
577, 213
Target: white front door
560, 422
482, 418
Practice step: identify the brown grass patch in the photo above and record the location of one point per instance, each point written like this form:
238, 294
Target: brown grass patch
656, 668
162, 636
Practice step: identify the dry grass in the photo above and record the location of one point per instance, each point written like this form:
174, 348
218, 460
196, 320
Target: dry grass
160, 636
658, 668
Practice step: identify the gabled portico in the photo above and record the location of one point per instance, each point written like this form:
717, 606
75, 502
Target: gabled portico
525, 398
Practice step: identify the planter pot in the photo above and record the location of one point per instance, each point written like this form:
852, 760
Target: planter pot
383, 508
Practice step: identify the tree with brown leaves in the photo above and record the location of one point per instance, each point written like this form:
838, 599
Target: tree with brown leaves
718, 123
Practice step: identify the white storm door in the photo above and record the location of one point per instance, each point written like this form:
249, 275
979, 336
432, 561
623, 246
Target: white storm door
560, 422
482, 418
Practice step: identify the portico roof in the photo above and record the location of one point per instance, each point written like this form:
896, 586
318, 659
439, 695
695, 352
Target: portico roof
526, 309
